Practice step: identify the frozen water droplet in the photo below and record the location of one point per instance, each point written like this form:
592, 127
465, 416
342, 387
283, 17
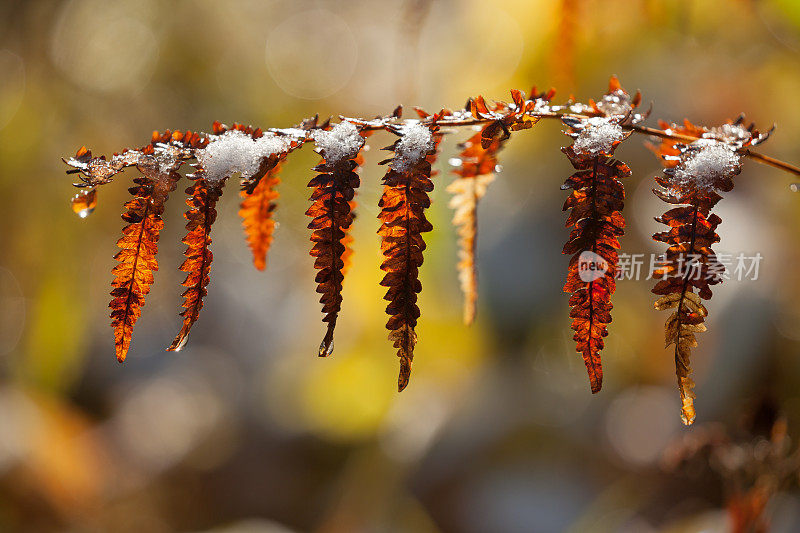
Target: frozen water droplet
325, 351
455, 162
794, 187
498, 168
84, 202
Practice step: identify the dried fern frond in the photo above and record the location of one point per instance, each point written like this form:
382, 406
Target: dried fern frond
256, 210
202, 201
158, 163
403, 203
477, 170
239, 149
595, 205
331, 212
133, 276
695, 173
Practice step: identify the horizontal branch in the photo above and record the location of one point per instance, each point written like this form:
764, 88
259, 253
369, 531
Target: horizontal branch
643, 130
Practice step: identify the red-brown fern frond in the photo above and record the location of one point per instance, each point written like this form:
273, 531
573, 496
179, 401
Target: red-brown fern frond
403, 203
595, 204
202, 213
478, 166
694, 175
331, 213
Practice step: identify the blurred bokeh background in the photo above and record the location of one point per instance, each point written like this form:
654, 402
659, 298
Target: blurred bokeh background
246, 430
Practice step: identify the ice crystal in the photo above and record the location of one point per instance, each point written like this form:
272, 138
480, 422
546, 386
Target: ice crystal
615, 103
704, 162
598, 136
414, 145
341, 142
730, 133
235, 151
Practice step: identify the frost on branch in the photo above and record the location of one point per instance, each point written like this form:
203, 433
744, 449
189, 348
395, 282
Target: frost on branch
332, 215
617, 102
703, 163
597, 135
415, 142
695, 174
236, 151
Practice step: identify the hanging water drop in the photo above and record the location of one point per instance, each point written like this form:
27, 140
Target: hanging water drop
84, 202
794, 187
325, 349
498, 169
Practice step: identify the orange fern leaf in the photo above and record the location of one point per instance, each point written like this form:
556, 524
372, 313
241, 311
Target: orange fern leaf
403, 203
595, 206
203, 197
260, 165
476, 172
159, 162
694, 175
256, 210
133, 276
332, 215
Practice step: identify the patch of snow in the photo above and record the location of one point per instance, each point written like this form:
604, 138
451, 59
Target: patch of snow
731, 133
704, 162
235, 151
296, 133
340, 143
414, 145
598, 136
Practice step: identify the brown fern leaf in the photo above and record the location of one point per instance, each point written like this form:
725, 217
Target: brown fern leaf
595, 204
691, 182
476, 172
332, 215
203, 197
403, 203
256, 210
